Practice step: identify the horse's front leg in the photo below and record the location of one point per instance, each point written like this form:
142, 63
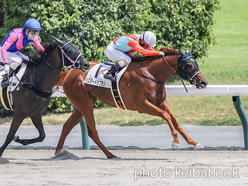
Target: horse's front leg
185, 135
15, 124
149, 108
165, 112
177, 126
37, 121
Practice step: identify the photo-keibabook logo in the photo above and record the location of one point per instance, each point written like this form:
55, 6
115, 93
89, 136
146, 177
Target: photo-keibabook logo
188, 172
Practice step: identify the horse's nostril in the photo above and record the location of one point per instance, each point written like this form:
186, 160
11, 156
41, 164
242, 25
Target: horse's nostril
204, 83
86, 66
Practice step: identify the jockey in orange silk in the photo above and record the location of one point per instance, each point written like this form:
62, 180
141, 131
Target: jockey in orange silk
121, 48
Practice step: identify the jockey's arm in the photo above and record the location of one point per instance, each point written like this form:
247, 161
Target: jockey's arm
12, 38
136, 47
38, 45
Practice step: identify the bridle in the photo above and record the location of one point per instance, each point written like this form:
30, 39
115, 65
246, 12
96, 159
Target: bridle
75, 63
181, 71
35, 88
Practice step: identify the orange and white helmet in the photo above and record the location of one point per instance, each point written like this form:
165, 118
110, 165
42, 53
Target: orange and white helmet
149, 38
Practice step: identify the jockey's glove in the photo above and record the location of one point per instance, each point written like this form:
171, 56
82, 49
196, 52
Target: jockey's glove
6, 67
162, 53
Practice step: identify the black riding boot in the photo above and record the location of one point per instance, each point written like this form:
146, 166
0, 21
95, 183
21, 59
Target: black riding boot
111, 72
5, 81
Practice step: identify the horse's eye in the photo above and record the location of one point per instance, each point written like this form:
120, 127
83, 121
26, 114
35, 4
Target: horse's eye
189, 67
69, 52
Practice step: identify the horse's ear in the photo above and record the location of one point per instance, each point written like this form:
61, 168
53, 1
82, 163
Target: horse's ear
59, 42
190, 50
181, 52
66, 38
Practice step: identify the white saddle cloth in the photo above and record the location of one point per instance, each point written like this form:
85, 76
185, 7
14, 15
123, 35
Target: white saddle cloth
96, 73
14, 80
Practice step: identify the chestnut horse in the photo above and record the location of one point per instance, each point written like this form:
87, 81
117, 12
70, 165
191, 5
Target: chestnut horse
142, 89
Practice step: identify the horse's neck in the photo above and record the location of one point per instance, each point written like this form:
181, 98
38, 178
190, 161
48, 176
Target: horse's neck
162, 69
45, 75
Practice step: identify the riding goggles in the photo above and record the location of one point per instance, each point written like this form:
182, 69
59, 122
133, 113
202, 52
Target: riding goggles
34, 32
144, 44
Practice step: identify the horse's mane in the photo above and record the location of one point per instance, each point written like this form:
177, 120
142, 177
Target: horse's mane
37, 58
168, 52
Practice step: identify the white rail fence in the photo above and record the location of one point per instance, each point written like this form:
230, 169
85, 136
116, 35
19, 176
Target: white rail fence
178, 90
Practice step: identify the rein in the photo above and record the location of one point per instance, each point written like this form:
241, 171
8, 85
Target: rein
176, 72
32, 86
75, 63
154, 80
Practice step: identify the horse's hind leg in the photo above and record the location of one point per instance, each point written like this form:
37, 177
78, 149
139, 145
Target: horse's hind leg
16, 122
87, 110
37, 121
93, 134
73, 120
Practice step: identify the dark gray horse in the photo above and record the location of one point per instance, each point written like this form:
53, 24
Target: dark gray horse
33, 93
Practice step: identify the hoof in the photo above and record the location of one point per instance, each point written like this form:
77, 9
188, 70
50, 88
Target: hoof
61, 152
198, 146
175, 146
15, 138
114, 158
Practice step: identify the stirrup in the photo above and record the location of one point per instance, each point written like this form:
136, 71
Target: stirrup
5, 81
109, 76
5, 84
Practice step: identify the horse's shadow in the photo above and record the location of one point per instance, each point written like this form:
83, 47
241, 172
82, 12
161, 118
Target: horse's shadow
127, 159
66, 155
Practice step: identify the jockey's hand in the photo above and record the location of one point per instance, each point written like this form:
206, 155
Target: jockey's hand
6, 67
162, 53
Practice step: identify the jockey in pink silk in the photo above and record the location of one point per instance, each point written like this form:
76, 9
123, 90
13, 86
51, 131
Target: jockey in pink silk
15, 41
121, 48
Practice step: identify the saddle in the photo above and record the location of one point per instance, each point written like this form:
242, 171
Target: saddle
5, 93
15, 78
95, 78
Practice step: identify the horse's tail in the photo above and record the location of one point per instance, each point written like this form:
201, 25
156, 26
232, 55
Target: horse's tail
61, 78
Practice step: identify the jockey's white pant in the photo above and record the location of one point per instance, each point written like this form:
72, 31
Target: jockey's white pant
116, 55
13, 57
